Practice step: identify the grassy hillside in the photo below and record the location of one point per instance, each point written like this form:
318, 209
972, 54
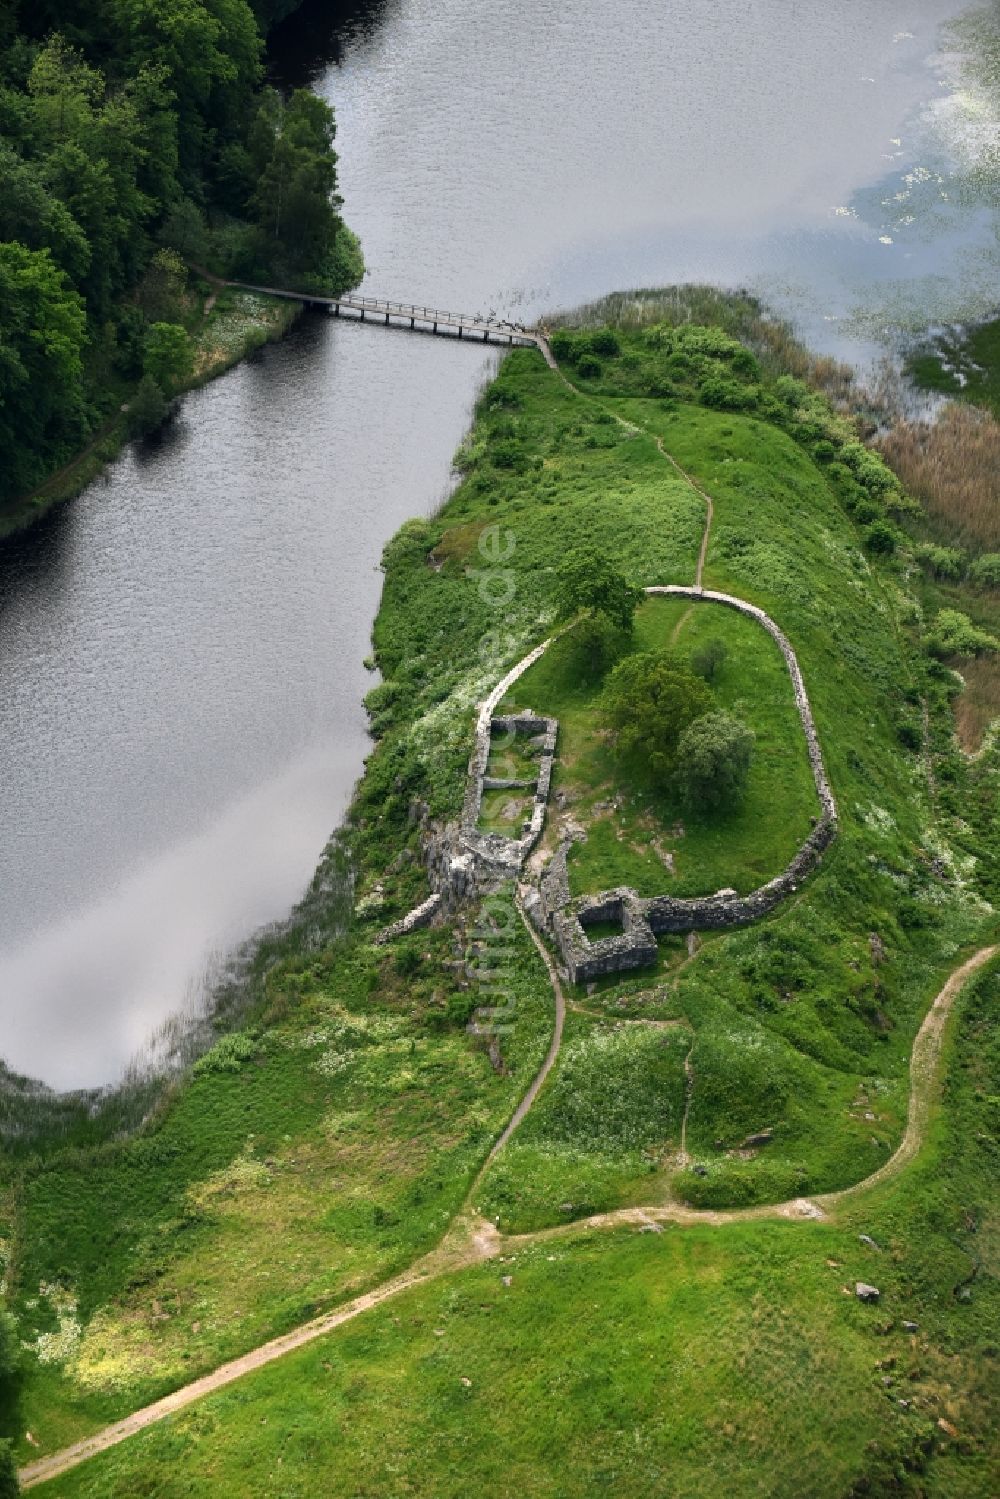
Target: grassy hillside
332, 1140
698, 1361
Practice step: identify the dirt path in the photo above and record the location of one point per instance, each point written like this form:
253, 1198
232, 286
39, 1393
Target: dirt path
678, 627
923, 1076
550, 1055
709, 517
477, 1243
472, 1241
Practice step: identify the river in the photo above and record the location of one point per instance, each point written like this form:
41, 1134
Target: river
181, 648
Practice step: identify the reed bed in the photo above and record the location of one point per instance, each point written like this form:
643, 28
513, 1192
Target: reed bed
952, 465
979, 705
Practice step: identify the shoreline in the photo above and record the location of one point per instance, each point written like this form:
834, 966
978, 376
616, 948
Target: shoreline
221, 341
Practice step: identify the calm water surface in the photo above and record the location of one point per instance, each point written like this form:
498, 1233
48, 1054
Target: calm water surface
181, 649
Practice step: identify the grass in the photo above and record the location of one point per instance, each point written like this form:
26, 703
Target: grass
708, 1361
504, 812
606, 1129
329, 1155
641, 836
370, 1107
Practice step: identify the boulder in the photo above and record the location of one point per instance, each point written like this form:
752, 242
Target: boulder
865, 1292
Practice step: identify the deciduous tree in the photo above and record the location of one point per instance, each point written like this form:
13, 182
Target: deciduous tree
649, 700
713, 760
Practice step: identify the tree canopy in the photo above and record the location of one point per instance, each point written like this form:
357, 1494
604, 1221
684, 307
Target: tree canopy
128, 127
588, 579
713, 760
649, 700
42, 333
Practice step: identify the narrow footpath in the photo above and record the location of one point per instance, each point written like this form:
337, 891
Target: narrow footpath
472, 1241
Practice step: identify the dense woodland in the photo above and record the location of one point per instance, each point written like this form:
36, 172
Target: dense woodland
138, 138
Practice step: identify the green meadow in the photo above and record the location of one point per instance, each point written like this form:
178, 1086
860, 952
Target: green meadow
340, 1122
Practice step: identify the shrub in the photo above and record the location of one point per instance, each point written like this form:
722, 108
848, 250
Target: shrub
680, 366
228, 1054
506, 455
985, 571
791, 392
723, 394
407, 961
880, 538
713, 757
588, 368
908, 734
869, 470
864, 510
708, 657
563, 345
9, 1484
947, 563
605, 343
148, 408
954, 634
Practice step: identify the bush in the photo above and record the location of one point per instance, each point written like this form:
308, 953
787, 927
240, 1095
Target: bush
563, 345
908, 734
954, 634
9, 1484
791, 392
228, 1054
148, 408
985, 571
880, 538
407, 962
588, 368
713, 759
506, 455
863, 509
708, 657
723, 394
10, 1353
947, 563
869, 470
605, 343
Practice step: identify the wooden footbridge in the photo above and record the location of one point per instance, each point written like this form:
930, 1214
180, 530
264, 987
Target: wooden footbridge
378, 310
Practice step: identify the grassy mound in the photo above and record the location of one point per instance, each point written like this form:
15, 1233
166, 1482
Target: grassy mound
644, 837
334, 1142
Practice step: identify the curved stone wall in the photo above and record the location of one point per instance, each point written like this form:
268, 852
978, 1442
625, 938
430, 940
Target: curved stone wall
645, 919
496, 857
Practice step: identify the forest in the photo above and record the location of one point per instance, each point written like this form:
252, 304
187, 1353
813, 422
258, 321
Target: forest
138, 139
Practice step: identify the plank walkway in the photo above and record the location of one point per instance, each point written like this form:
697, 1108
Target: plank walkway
419, 319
